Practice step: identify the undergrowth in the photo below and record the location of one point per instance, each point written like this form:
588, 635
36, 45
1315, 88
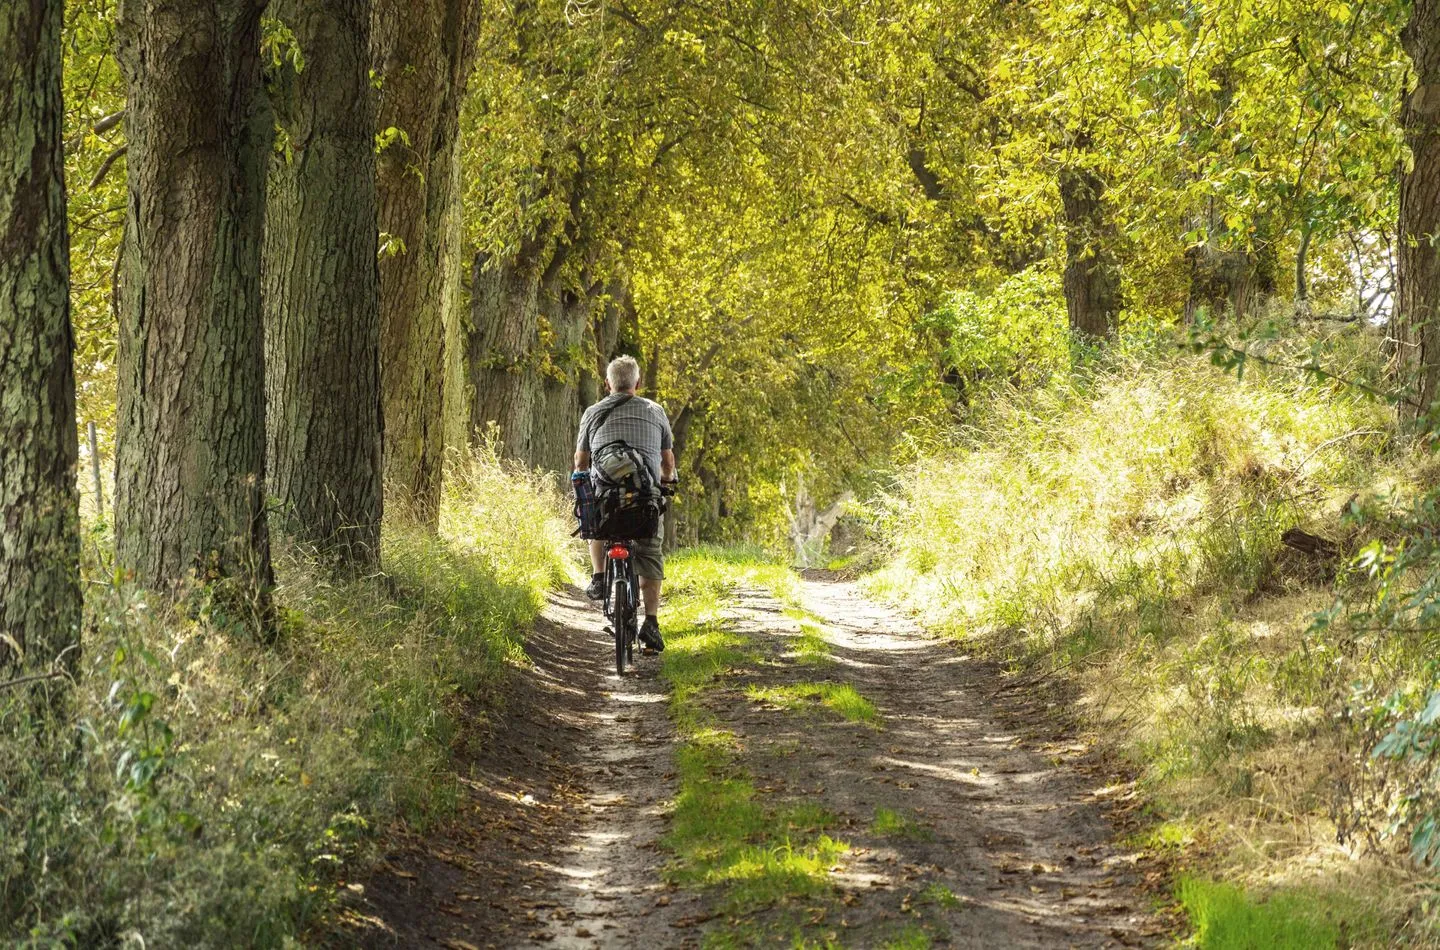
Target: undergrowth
204, 790
1118, 530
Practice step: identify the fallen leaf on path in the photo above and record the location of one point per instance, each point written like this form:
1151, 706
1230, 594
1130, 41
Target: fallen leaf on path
450, 943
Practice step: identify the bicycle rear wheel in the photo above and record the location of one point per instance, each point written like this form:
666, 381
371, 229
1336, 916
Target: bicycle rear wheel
623, 616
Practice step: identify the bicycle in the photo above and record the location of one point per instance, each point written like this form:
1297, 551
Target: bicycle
622, 596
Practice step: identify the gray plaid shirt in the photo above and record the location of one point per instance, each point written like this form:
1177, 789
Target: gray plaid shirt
639, 423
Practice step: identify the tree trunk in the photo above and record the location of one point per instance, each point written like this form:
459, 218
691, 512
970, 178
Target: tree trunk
500, 337
39, 507
605, 332
1414, 327
190, 455
422, 53
322, 313
1302, 283
568, 313
1228, 281
1092, 277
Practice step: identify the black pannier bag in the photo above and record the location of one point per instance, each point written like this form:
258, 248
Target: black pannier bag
630, 517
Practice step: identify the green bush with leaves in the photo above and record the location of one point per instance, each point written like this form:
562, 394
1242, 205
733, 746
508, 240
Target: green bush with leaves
1015, 333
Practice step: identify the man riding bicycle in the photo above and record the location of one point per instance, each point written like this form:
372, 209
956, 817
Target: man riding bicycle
642, 425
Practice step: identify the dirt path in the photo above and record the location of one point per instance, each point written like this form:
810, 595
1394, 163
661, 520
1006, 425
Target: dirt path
960, 831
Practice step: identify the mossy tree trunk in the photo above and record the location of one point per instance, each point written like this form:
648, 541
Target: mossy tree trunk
1415, 329
321, 285
1092, 276
422, 53
39, 559
190, 454
1228, 281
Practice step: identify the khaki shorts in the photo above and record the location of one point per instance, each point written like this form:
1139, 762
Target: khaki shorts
649, 555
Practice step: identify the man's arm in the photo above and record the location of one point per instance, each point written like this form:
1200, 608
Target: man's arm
667, 465
582, 442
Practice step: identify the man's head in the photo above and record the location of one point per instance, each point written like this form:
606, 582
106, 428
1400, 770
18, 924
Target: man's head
623, 374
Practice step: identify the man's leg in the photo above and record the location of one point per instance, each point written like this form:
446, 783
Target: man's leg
650, 566
596, 590
650, 594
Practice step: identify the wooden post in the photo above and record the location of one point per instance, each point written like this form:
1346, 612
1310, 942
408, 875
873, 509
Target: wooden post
95, 470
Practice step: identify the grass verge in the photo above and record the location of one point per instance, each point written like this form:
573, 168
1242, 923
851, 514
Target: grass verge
203, 790
1121, 530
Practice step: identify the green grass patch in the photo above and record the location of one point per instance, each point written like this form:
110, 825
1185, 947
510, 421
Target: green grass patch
890, 823
811, 647
723, 834
1167, 836
717, 570
1224, 917
840, 698
940, 896
909, 938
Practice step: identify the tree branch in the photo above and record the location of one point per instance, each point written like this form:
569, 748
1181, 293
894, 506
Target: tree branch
106, 165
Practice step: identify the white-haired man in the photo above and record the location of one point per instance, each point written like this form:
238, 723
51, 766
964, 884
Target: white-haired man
641, 424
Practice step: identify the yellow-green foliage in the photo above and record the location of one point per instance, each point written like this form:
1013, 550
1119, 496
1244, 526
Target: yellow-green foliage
206, 791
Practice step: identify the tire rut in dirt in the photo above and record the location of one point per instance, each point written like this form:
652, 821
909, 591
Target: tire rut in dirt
556, 840
957, 828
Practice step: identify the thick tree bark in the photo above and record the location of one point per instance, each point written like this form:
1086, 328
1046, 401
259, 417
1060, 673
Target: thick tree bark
1415, 328
499, 339
568, 315
39, 513
322, 318
422, 52
1092, 276
190, 485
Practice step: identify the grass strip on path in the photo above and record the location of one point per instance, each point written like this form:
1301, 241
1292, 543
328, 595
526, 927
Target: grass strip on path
724, 834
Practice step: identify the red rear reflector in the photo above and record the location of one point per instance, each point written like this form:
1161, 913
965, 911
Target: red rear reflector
619, 553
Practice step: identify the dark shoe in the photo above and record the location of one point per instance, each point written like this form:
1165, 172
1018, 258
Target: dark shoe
596, 590
650, 635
